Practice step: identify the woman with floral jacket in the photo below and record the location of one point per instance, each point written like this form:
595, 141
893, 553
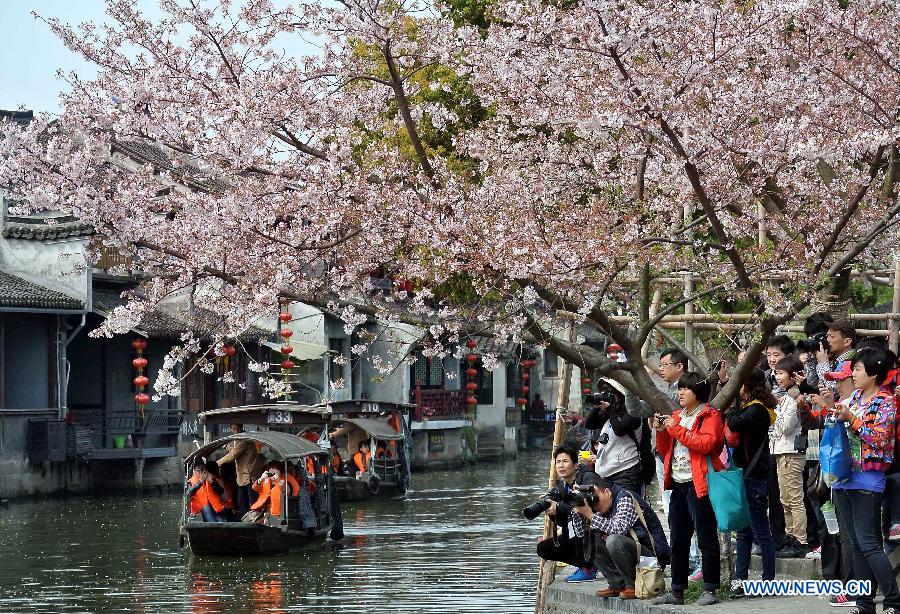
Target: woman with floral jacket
870, 415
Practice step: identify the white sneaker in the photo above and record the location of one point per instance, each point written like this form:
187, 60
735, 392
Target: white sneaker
814, 554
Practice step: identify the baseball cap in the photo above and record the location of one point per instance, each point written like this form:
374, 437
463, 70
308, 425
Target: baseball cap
616, 385
841, 374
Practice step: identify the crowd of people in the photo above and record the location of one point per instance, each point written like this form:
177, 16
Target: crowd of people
772, 432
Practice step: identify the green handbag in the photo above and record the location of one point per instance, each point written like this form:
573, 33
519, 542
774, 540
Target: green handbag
728, 495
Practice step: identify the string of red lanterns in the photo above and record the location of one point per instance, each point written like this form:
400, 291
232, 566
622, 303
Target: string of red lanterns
471, 374
286, 333
141, 381
525, 366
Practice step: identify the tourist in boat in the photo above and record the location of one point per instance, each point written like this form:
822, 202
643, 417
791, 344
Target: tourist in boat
336, 460
382, 451
270, 489
205, 494
362, 457
245, 458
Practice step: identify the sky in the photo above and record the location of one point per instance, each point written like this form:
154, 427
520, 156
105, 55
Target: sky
30, 54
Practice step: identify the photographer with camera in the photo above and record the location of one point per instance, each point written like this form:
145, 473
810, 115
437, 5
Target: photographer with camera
558, 504
610, 519
837, 351
620, 436
685, 440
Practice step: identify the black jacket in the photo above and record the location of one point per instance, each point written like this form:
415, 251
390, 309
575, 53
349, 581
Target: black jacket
583, 475
752, 422
621, 422
656, 532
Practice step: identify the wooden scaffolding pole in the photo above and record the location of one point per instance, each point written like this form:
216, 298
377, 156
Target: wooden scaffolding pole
894, 333
547, 573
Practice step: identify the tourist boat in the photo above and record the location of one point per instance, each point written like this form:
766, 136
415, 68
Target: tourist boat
291, 529
384, 426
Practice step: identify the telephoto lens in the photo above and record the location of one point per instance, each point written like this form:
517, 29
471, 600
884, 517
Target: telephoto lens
536, 509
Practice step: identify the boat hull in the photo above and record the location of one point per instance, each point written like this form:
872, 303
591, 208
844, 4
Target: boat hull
351, 489
247, 539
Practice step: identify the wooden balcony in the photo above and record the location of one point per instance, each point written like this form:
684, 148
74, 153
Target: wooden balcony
438, 404
113, 263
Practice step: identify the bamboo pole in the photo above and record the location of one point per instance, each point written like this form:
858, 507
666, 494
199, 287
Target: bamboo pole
547, 572
894, 335
727, 318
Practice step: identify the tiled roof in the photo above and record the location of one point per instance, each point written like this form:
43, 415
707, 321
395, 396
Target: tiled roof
154, 155
17, 292
42, 229
160, 324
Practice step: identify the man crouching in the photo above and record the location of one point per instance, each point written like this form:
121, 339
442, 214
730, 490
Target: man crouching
612, 520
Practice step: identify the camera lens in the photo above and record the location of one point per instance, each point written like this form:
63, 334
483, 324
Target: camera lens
604, 439
536, 509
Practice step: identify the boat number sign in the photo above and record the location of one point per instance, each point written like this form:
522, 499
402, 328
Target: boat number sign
370, 407
277, 416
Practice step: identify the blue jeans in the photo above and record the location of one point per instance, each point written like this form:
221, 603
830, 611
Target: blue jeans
689, 514
758, 532
211, 515
861, 510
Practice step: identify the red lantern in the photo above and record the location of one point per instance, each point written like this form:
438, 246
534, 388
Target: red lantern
286, 349
471, 401
614, 357
139, 344
287, 365
141, 398
471, 372
528, 363
284, 316
471, 358
472, 386
139, 363
613, 348
585, 380
140, 381
521, 401
229, 350
525, 377
525, 389
286, 333
471, 344
586, 391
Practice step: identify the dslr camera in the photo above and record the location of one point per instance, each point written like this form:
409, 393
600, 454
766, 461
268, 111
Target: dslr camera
812, 344
605, 395
584, 494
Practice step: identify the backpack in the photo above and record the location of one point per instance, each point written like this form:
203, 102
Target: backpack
645, 449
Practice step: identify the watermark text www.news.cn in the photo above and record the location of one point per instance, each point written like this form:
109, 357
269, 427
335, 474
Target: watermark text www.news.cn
794, 588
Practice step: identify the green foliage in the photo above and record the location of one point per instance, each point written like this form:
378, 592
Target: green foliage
865, 296
468, 13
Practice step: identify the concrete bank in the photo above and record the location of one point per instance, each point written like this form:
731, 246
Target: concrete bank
563, 598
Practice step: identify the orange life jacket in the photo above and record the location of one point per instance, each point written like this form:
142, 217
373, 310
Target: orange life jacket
294, 484
203, 496
268, 493
395, 422
336, 462
310, 467
362, 461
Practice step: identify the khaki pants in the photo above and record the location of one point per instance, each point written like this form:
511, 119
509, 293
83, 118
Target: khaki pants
790, 485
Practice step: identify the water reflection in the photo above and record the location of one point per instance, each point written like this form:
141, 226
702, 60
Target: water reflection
457, 541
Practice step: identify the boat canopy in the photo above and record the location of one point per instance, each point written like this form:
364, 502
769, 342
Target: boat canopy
273, 414
376, 428
287, 446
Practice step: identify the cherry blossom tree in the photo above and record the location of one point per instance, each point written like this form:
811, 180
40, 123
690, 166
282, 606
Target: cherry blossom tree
522, 163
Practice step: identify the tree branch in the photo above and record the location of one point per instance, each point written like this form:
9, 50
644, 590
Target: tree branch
403, 106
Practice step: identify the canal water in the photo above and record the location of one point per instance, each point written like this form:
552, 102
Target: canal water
456, 543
